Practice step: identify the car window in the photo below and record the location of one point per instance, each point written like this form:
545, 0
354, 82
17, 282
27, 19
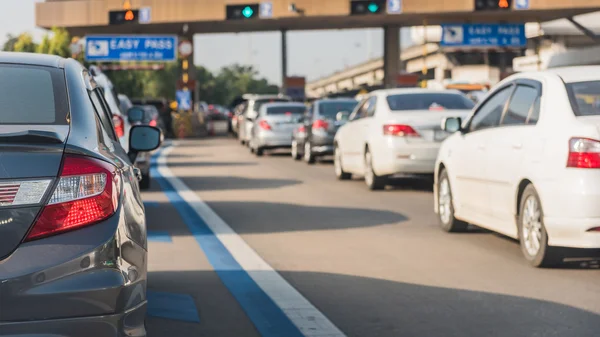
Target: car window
102, 113
490, 112
520, 105
371, 108
585, 98
259, 102
18, 82
429, 101
330, 109
360, 112
534, 114
285, 110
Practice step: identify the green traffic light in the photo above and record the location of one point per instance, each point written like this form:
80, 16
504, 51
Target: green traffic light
247, 12
373, 7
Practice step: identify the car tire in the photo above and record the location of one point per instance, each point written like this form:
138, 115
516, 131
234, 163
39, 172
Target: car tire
145, 182
373, 181
295, 153
533, 236
259, 152
445, 207
309, 157
243, 142
338, 167
251, 149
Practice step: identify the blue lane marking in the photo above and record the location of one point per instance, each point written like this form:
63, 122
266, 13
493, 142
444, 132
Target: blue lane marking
172, 306
151, 204
159, 236
267, 317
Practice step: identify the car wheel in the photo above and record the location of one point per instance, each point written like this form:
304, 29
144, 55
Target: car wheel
532, 232
374, 182
259, 152
337, 165
251, 149
145, 182
309, 158
295, 154
445, 206
243, 142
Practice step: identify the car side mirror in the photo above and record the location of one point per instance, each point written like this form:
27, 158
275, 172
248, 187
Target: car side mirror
135, 115
143, 138
451, 124
342, 116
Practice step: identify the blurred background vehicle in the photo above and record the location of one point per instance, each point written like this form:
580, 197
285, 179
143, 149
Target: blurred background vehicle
164, 111
217, 120
250, 113
396, 131
238, 113
314, 138
530, 152
273, 126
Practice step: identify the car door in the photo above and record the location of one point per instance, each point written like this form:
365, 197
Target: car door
353, 138
471, 192
507, 147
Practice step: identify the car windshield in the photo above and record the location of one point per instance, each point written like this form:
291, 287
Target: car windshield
259, 102
585, 98
17, 83
331, 109
286, 110
429, 101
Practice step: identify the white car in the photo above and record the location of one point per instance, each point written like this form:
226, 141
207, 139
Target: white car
526, 164
254, 102
395, 131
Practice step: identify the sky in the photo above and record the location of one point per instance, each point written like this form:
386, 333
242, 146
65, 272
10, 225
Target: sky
313, 54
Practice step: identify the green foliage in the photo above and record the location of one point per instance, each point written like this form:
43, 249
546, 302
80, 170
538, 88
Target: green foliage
25, 44
44, 46
60, 42
9, 45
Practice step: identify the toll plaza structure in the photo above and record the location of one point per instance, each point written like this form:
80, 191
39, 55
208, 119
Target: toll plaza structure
186, 18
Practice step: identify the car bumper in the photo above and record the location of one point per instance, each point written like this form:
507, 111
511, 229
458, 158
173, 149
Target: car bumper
413, 159
572, 232
266, 141
322, 145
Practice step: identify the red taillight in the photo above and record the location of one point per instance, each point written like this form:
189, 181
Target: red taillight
584, 153
152, 122
87, 192
594, 229
119, 124
320, 124
302, 129
230, 114
264, 125
399, 130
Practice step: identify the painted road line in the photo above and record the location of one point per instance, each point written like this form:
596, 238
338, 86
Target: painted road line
178, 307
242, 270
151, 204
159, 236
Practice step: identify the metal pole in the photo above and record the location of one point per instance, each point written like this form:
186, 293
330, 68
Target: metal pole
283, 61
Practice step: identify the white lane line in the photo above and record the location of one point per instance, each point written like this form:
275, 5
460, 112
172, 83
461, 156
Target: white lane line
309, 320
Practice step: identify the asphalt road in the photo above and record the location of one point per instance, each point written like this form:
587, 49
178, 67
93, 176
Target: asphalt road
374, 263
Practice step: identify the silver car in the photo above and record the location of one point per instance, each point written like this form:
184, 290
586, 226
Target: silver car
274, 125
254, 102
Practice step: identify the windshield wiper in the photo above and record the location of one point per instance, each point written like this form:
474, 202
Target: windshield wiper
31, 136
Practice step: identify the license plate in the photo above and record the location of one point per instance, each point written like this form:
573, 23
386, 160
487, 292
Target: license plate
440, 135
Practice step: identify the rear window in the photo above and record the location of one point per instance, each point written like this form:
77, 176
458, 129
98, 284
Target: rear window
32, 95
259, 102
330, 109
286, 110
429, 101
585, 98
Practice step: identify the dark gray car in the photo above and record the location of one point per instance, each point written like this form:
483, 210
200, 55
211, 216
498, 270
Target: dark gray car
314, 138
72, 225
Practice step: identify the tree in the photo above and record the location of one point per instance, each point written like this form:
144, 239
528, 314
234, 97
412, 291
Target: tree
9, 45
25, 44
44, 46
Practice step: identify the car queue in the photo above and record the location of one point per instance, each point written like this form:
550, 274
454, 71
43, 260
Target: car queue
524, 162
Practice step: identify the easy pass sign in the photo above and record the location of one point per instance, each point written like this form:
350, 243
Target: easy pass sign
115, 48
484, 35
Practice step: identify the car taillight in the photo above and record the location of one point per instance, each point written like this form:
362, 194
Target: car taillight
302, 129
320, 124
87, 192
152, 122
264, 125
119, 124
584, 153
399, 130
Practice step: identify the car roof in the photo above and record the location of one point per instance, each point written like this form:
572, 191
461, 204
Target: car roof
340, 99
32, 59
404, 91
577, 73
257, 97
278, 104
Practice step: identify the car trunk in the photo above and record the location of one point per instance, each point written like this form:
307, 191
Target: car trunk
283, 124
30, 161
427, 123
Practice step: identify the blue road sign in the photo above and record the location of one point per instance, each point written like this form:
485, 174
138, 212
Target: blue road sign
145, 15
522, 4
484, 35
394, 6
266, 10
184, 99
114, 48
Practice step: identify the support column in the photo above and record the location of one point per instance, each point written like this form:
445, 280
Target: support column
391, 55
284, 72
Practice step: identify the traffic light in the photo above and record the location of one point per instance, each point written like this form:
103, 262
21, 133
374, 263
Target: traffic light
123, 17
242, 12
493, 5
367, 7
